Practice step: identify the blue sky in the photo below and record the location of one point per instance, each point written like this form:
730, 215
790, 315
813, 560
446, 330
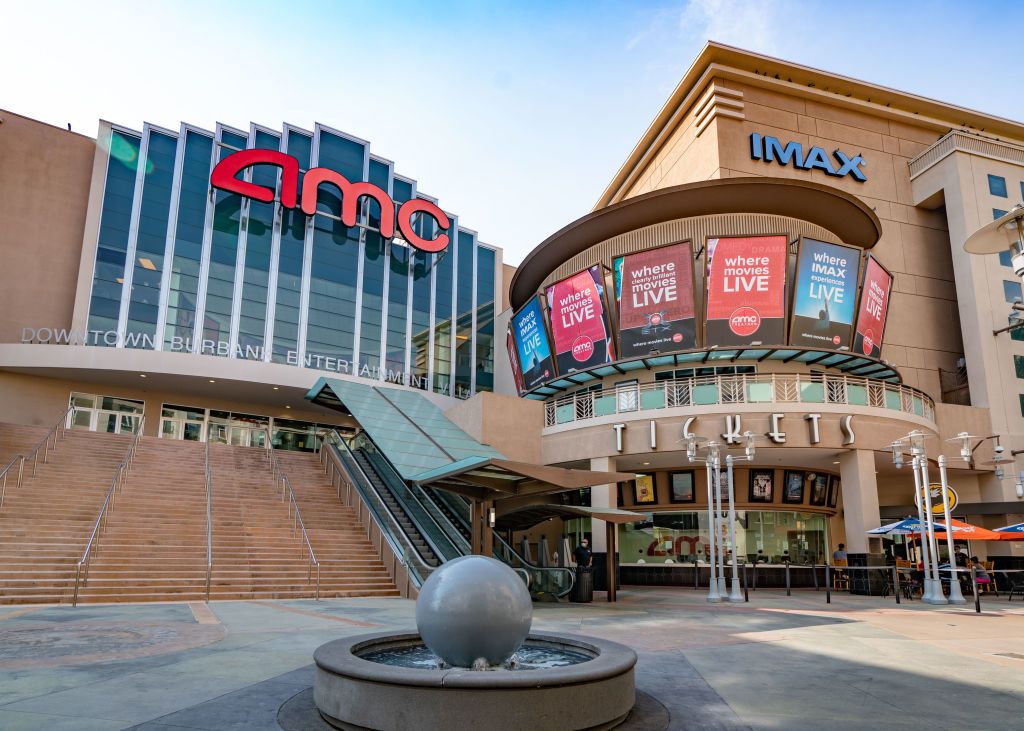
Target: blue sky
515, 115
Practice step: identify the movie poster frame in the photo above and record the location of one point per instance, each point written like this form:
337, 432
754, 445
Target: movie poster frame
834, 486
753, 472
790, 240
824, 490
542, 303
803, 486
613, 339
860, 295
698, 316
693, 483
857, 288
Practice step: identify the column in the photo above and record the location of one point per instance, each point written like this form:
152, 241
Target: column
860, 498
601, 496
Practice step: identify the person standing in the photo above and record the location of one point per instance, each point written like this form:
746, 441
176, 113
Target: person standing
583, 555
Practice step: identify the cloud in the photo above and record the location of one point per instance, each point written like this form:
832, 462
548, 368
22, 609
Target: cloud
756, 25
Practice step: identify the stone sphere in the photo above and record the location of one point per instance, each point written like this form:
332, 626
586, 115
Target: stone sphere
474, 607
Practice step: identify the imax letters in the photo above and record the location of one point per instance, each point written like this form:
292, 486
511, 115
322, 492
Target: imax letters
770, 149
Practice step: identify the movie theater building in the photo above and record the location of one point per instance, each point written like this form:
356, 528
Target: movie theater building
209, 277
781, 254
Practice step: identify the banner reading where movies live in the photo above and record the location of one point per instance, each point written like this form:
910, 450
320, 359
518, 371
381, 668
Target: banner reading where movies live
825, 294
532, 345
746, 290
654, 290
874, 306
578, 323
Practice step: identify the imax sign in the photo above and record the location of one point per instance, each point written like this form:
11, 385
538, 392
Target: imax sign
770, 149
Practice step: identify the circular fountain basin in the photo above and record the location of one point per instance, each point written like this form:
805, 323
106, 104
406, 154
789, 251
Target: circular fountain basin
353, 692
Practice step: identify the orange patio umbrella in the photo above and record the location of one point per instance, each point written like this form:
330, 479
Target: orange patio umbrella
966, 532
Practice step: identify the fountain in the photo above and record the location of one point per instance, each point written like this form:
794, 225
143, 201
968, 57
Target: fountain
473, 663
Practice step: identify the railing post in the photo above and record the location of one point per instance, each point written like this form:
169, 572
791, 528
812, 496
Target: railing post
21, 470
974, 587
788, 592
814, 575
828, 584
896, 582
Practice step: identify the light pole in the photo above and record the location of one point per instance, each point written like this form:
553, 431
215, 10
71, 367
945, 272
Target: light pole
897, 460
709, 464
935, 596
748, 455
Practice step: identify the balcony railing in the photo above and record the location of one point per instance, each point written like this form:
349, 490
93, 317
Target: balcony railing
782, 388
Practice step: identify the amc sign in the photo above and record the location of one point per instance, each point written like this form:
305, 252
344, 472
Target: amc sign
226, 177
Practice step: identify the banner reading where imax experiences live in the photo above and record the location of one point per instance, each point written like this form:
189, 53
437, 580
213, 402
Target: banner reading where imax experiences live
825, 294
654, 290
746, 290
579, 326
874, 307
532, 345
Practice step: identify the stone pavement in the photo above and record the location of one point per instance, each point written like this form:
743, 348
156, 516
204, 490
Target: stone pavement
775, 663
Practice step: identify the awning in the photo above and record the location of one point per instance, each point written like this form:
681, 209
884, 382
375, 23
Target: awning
530, 515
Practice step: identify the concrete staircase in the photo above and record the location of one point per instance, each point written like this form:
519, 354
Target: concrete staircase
154, 545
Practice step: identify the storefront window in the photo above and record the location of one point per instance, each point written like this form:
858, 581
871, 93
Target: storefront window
680, 536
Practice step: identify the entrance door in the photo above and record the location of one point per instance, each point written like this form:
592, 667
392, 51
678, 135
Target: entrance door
108, 414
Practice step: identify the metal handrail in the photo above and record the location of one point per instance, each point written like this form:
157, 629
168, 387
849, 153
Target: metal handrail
18, 459
116, 485
392, 532
209, 523
736, 389
56, 431
287, 493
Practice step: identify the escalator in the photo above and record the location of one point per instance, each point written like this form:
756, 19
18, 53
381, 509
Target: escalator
441, 521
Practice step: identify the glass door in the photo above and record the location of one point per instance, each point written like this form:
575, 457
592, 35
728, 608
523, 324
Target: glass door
108, 414
182, 422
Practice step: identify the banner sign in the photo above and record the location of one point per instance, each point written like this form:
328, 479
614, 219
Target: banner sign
517, 373
825, 295
654, 291
874, 306
746, 290
534, 353
578, 322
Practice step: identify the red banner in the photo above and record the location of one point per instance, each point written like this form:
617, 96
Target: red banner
874, 307
578, 324
655, 295
746, 290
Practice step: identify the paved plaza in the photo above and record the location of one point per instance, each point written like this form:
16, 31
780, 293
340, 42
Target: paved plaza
777, 662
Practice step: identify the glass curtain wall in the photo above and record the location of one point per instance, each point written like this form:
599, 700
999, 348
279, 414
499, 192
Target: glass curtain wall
485, 262
444, 275
464, 315
289, 264
374, 263
151, 241
398, 292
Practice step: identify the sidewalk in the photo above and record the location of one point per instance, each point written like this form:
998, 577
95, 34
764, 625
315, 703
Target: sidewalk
777, 662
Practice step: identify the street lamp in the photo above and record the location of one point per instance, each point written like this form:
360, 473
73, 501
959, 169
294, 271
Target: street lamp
711, 462
914, 441
935, 595
1006, 233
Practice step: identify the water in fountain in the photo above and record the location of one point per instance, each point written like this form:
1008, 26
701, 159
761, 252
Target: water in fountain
527, 657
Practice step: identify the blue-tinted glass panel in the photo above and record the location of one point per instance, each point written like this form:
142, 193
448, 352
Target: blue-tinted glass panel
485, 310
289, 268
256, 273
371, 326
997, 186
112, 242
422, 265
151, 242
466, 243
398, 295
1012, 292
443, 293
188, 242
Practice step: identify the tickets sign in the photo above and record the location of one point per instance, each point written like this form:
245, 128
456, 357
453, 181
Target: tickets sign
825, 295
874, 307
532, 348
746, 290
654, 291
579, 325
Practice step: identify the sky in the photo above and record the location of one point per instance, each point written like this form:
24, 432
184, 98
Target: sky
515, 115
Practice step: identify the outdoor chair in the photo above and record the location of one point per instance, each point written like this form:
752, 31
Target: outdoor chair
990, 587
1016, 586
840, 579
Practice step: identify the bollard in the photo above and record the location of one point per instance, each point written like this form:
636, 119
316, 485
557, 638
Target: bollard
755, 574
814, 575
746, 583
696, 571
974, 587
896, 583
828, 584
788, 593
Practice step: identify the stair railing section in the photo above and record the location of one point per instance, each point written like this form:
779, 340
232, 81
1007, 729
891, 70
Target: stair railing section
288, 495
209, 523
344, 471
56, 432
116, 486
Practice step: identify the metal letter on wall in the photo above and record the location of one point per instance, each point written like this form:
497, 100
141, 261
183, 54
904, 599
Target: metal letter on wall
686, 427
654, 434
815, 431
846, 425
733, 424
619, 428
776, 434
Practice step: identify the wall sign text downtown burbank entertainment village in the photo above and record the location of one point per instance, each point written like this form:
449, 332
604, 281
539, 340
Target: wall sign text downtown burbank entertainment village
839, 165
225, 177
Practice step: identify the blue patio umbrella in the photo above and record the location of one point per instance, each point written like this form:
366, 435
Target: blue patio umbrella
1015, 528
905, 527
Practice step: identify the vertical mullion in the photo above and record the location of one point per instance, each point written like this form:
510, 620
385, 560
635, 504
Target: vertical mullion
475, 307
307, 260
172, 232
243, 238
363, 218
204, 261
408, 302
275, 256
133, 235
453, 338
386, 290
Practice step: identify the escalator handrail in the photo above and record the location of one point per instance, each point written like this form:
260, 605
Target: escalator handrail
394, 534
442, 555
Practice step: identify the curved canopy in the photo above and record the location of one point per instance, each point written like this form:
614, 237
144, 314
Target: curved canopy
528, 516
843, 214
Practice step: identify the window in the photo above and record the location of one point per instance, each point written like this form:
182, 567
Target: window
1021, 397
997, 186
1017, 333
1018, 365
1012, 292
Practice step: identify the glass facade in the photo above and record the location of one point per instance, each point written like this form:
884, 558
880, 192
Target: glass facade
211, 272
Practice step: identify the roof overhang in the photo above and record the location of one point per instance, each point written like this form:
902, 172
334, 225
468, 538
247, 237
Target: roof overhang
528, 516
842, 213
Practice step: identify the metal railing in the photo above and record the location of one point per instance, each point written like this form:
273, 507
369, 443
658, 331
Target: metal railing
288, 494
391, 532
116, 485
767, 388
56, 432
209, 521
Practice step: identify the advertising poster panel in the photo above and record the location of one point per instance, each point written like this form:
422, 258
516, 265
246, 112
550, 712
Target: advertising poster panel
746, 290
874, 307
825, 295
579, 324
532, 346
654, 291
517, 373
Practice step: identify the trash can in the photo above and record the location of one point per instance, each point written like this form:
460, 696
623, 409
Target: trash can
583, 588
